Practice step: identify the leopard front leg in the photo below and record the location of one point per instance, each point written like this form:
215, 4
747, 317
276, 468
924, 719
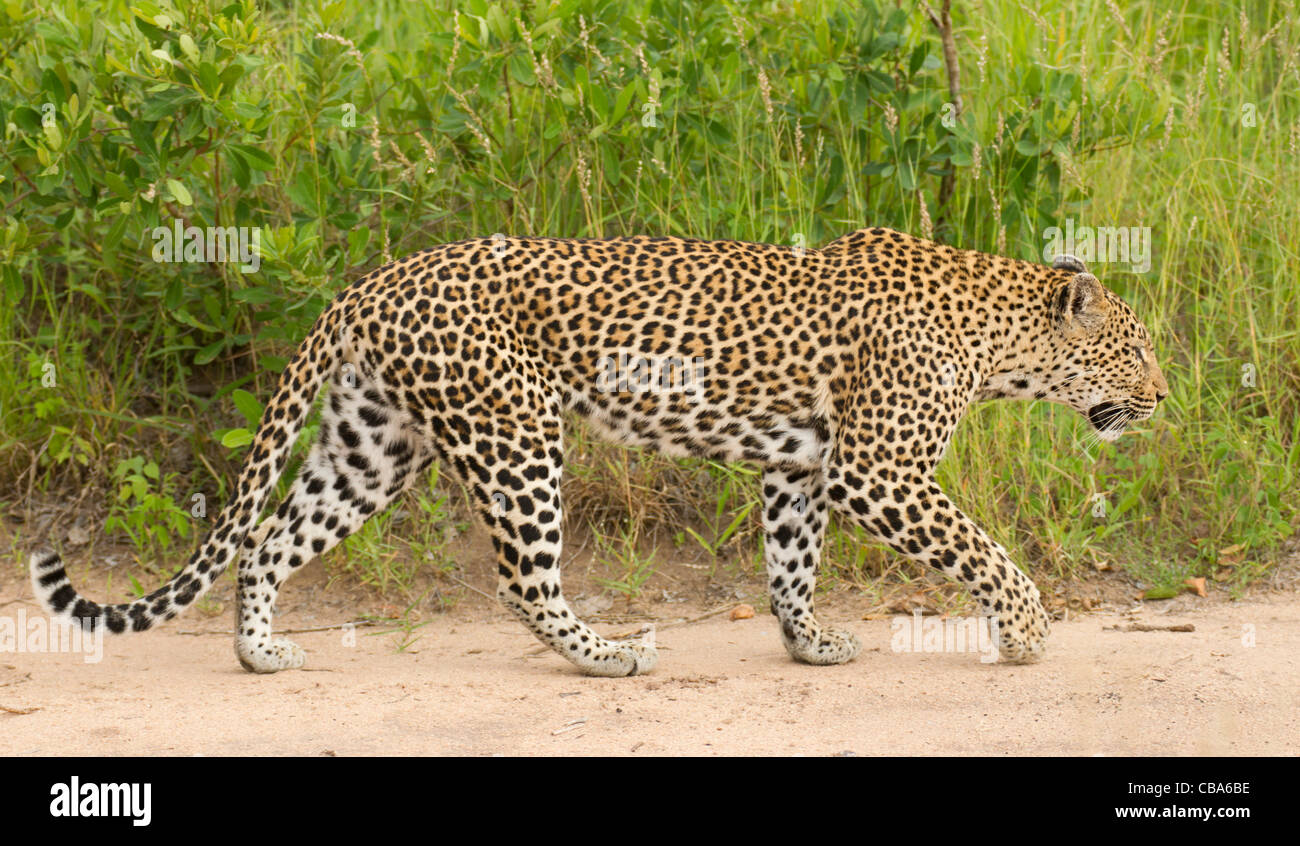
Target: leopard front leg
794, 521
913, 515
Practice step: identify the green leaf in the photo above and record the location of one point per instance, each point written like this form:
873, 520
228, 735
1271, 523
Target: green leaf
255, 158
167, 103
1029, 147
499, 23
27, 118
521, 70
247, 405
259, 294
190, 49
624, 99
209, 80
229, 76
142, 135
115, 233
236, 438
116, 184
239, 167
907, 175
209, 352
180, 192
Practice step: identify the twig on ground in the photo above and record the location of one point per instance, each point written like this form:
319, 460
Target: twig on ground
706, 615
466, 584
354, 623
1143, 627
19, 711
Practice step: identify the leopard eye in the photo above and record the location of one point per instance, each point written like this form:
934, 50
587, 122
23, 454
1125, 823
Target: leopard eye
1140, 353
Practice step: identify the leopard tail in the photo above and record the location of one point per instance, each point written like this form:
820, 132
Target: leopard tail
316, 359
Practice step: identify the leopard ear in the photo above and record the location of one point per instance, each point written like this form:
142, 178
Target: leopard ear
1079, 306
1069, 262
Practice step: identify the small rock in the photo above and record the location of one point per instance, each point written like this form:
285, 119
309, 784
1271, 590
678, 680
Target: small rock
742, 612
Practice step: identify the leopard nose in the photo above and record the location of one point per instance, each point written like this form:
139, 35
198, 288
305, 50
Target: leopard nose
1161, 396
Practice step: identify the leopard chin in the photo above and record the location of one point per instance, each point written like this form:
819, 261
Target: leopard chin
1110, 419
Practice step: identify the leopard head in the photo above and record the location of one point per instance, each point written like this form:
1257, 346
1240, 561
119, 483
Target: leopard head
1100, 357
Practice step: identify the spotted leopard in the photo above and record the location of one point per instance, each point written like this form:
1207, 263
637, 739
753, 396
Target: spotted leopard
842, 372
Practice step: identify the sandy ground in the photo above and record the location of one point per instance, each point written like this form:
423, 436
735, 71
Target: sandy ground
470, 686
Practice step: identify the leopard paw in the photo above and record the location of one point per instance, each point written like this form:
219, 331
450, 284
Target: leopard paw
270, 655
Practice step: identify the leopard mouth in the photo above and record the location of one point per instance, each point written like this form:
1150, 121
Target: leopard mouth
1109, 419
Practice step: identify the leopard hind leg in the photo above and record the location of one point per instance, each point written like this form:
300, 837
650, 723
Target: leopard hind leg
364, 457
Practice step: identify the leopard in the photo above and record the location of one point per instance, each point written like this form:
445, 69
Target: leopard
840, 371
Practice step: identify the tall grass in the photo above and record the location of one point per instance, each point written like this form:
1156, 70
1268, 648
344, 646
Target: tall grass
355, 133
1213, 178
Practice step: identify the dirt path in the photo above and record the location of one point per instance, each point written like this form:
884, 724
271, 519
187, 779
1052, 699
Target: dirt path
470, 687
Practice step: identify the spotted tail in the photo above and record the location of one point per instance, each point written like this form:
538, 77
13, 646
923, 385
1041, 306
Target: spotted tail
316, 359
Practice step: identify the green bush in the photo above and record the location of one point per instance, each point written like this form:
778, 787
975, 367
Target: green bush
348, 134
